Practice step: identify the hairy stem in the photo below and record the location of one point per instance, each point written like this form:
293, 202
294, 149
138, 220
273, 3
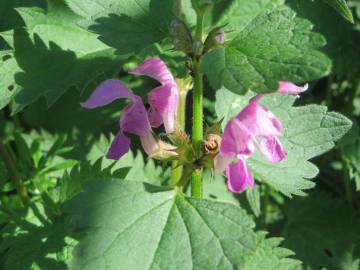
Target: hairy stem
177, 171
14, 174
197, 125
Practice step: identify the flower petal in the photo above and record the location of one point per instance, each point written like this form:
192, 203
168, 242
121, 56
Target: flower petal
164, 101
221, 162
290, 88
239, 176
272, 148
156, 69
119, 146
237, 139
259, 120
149, 143
154, 118
134, 118
107, 92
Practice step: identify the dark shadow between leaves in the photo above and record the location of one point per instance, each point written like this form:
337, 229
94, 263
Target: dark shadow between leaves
40, 241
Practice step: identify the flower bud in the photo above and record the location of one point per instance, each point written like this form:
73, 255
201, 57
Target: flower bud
215, 38
181, 36
212, 144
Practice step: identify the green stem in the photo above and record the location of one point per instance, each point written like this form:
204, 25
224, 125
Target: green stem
14, 174
197, 125
176, 170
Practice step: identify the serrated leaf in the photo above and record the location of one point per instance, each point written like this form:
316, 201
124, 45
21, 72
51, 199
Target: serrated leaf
234, 15
140, 168
323, 231
341, 7
341, 41
50, 60
308, 131
253, 198
35, 242
132, 226
128, 26
8, 87
273, 47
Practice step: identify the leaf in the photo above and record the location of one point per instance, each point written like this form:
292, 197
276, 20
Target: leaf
275, 46
350, 149
308, 131
50, 60
128, 26
253, 198
130, 225
323, 231
140, 168
35, 242
341, 41
341, 7
233, 15
8, 87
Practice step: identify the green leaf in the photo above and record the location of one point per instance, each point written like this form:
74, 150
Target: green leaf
140, 168
128, 26
273, 47
130, 225
341, 7
350, 150
36, 242
50, 60
253, 198
323, 232
341, 40
8, 87
308, 131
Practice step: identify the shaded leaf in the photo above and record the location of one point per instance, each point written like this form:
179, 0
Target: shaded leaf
125, 219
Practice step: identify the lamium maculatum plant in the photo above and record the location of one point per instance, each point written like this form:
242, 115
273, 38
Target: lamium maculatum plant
183, 144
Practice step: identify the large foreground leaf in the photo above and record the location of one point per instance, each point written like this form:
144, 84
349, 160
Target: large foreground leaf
272, 47
309, 131
130, 226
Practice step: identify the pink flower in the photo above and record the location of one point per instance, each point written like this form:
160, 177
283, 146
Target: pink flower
163, 99
239, 140
134, 118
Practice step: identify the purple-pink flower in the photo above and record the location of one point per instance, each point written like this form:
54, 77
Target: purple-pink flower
239, 140
135, 119
164, 99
